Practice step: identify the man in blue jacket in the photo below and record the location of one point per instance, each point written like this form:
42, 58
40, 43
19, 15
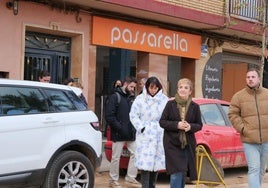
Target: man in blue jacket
122, 131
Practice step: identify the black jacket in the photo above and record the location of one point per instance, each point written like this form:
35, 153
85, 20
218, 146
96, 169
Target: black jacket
117, 117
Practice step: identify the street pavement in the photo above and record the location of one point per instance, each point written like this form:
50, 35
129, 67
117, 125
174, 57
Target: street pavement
102, 179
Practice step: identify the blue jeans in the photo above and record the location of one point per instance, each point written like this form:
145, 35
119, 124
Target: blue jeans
257, 159
177, 180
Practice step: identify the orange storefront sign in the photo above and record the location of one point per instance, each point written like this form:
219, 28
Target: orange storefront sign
121, 34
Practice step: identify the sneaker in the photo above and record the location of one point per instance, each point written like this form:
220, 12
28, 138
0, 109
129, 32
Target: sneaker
114, 184
131, 180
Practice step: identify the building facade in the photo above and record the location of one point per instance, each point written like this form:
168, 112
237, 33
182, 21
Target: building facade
212, 42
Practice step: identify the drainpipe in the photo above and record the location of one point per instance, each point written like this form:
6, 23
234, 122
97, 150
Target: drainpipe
263, 37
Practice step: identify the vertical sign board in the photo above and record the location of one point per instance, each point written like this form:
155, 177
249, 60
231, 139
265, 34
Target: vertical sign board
122, 34
212, 77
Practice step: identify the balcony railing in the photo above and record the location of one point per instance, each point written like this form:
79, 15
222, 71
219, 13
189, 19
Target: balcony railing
252, 10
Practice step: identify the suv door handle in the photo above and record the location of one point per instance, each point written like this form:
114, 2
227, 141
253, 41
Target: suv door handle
50, 120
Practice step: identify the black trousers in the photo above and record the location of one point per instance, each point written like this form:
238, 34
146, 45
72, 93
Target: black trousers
148, 179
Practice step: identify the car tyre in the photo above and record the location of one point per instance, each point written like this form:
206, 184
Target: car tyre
70, 169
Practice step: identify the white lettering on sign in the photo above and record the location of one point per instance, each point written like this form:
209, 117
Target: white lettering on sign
151, 39
116, 35
212, 89
127, 36
210, 78
212, 69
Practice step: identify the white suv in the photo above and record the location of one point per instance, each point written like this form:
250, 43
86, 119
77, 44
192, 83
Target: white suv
48, 137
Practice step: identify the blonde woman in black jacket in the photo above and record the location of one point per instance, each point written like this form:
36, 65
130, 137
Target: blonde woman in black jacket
180, 119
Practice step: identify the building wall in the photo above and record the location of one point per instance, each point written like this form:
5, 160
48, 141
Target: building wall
209, 6
243, 50
41, 18
158, 65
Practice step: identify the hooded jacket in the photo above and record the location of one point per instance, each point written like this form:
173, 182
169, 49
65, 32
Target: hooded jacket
248, 112
117, 116
145, 115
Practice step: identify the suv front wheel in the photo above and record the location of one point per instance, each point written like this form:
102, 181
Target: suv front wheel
70, 169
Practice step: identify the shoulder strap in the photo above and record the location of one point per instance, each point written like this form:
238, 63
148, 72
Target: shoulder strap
118, 98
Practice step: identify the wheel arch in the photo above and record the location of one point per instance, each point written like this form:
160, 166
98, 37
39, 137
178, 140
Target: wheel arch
78, 146
81, 147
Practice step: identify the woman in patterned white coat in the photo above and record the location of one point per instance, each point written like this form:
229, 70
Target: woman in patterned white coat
145, 114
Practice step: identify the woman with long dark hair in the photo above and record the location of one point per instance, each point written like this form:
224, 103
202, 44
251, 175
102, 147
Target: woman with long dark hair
145, 114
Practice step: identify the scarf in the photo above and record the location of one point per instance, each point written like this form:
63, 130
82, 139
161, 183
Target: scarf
182, 105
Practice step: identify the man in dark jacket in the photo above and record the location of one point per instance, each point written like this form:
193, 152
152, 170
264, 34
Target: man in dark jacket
122, 131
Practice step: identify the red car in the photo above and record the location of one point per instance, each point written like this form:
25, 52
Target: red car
218, 136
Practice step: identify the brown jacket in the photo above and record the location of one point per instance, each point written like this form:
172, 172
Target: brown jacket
248, 112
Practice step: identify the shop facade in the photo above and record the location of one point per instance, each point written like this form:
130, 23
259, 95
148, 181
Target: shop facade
97, 49
141, 51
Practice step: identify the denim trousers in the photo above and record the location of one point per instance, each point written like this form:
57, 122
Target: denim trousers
177, 180
148, 179
257, 159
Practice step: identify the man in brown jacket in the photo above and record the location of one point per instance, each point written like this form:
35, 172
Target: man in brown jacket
248, 112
